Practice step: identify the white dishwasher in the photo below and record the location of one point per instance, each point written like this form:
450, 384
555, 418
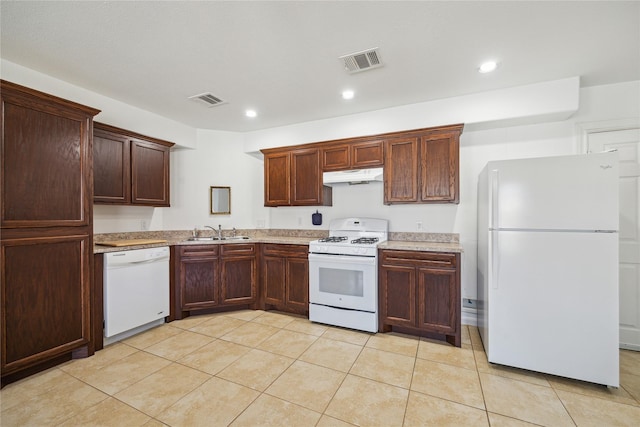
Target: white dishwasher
136, 290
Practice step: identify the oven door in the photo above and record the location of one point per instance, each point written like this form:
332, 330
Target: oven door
343, 281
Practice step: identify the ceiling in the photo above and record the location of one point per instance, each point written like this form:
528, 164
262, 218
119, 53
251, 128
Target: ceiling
281, 58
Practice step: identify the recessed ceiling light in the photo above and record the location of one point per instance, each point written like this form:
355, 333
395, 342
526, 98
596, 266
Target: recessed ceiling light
347, 94
487, 67
250, 113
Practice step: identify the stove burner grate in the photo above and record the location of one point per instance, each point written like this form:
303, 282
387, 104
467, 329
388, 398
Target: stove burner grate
333, 239
365, 240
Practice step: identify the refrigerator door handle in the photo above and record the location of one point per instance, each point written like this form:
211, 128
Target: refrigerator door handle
494, 256
494, 179
494, 196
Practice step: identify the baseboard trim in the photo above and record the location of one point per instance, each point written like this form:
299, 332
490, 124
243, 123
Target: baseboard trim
626, 346
469, 317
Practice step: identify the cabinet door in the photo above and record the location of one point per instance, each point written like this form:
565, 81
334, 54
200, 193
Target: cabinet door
273, 280
45, 298
111, 168
46, 163
397, 295
439, 168
238, 280
437, 300
336, 158
277, 183
297, 277
401, 171
367, 154
149, 173
198, 283
306, 178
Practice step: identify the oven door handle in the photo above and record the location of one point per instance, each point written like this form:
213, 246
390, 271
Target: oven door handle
342, 259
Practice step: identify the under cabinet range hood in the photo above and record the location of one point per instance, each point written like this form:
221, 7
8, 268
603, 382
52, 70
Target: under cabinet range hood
352, 176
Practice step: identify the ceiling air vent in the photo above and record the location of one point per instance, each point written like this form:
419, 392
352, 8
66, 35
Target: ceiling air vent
361, 61
207, 99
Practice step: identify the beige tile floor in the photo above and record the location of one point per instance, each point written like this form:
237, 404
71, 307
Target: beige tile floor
253, 368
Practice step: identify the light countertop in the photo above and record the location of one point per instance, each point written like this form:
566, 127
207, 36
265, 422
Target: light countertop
401, 241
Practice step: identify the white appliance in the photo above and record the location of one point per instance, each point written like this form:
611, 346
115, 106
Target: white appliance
136, 291
343, 274
353, 176
548, 265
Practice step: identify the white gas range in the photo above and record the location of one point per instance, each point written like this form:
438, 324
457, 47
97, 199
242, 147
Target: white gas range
343, 274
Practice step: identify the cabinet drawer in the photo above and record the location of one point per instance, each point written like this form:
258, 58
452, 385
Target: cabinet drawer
430, 259
198, 251
238, 249
287, 251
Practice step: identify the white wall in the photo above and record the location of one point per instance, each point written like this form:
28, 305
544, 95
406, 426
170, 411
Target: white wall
218, 161
535, 103
113, 112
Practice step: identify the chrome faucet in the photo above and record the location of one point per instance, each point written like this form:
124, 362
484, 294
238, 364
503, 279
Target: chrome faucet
219, 231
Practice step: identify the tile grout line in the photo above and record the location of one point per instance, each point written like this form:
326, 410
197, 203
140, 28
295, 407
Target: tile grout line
413, 372
475, 361
346, 374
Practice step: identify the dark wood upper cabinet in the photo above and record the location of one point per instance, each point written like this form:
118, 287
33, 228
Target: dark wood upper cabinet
420, 166
294, 178
149, 173
424, 167
46, 160
354, 155
277, 179
111, 167
130, 168
439, 167
401, 171
336, 158
46, 188
306, 182
367, 154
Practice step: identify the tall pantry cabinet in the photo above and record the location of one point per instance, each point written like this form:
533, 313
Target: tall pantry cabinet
46, 222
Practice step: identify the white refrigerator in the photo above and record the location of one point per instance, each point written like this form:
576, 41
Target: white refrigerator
548, 265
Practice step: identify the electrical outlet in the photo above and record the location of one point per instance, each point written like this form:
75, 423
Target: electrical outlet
143, 224
260, 223
299, 220
469, 303
419, 225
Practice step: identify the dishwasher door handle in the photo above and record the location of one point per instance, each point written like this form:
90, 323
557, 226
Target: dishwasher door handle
149, 261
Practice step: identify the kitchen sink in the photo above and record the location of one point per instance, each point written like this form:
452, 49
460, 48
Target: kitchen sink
208, 239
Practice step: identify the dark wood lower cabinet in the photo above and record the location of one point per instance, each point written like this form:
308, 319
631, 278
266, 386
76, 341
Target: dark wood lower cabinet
238, 274
46, 300
211, 277
420, 293
285, 278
